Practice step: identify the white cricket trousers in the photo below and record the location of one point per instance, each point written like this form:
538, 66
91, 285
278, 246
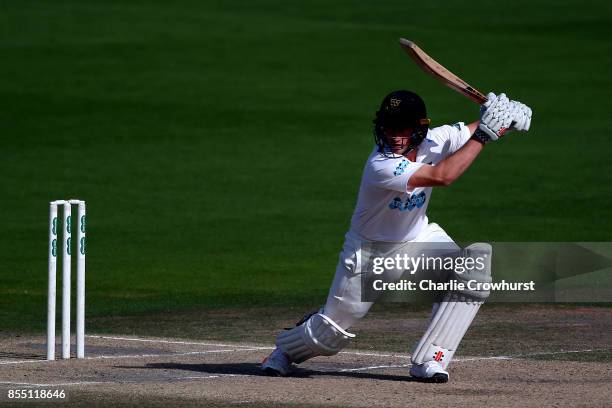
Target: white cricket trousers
344, 305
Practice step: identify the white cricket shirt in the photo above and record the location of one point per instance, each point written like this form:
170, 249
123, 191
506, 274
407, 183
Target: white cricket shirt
386, 210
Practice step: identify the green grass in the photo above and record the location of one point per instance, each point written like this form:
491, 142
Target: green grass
219, 144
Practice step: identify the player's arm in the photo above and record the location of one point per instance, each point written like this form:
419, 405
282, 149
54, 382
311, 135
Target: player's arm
449, 169
473, 126
498, 114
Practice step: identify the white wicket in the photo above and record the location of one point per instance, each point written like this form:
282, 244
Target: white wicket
66, 278
52, 283
80, 325
66, 272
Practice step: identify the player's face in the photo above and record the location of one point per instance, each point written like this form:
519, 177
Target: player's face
398, 140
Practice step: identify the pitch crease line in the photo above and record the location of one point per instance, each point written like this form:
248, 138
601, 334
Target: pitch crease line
125, 356
76, 383
187, 343
468, 359
65, 384
249, 346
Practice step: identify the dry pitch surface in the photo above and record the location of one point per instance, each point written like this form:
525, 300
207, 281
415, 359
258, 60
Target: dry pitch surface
544, 357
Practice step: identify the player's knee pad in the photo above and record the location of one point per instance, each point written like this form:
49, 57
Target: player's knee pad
452, 317
317, 336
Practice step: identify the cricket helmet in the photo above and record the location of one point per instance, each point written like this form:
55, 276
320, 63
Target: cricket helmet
398, 111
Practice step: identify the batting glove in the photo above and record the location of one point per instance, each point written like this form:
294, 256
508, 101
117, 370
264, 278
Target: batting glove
496, 117
521, 116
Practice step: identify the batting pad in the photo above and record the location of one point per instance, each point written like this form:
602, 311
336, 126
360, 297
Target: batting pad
453, 316
318, 336
450, 321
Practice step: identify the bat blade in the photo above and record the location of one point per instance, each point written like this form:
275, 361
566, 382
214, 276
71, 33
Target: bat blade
437, 70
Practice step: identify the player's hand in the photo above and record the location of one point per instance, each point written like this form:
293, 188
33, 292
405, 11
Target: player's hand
496, 117
521, 114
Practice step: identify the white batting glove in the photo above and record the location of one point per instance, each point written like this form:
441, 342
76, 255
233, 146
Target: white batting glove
496, 117
521, 114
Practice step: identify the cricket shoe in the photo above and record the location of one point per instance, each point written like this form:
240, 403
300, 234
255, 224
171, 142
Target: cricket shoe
429, 371
277, 364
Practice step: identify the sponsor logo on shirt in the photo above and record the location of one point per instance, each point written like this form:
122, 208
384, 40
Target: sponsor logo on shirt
413, 201
401, 167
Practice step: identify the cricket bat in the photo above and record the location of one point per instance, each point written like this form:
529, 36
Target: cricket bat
436, 70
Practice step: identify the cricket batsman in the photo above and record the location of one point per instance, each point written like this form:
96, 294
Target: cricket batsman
409, 159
